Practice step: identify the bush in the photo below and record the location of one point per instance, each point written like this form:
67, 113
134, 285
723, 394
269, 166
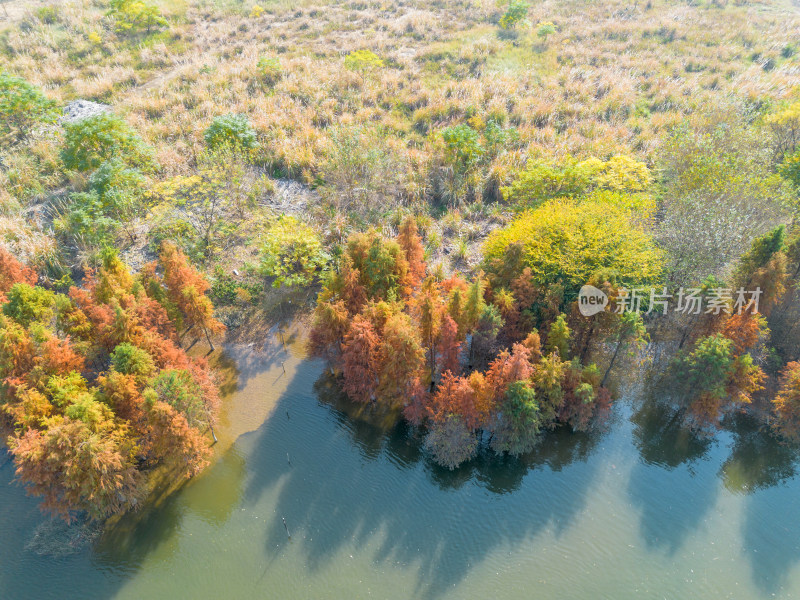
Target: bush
269, 70
543, 180
292, 253
463, 147
515, 14
545, 29
91, 141
22, 106
362, 61
135, 16
114, 197
231, 130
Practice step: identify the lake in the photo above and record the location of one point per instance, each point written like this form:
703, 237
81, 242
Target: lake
639, 510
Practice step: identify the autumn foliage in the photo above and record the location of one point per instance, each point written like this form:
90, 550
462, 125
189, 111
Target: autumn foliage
96, 390
461, 357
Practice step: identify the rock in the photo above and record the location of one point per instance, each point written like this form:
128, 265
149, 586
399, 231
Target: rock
81, 109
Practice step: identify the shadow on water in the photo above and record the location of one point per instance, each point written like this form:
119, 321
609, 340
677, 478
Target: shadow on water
674, 485
763, 467
365, 482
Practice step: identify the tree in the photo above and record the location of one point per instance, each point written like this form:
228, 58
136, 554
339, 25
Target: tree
233, 131
547, 179
785, 127
566, 242
114, 198
133, 16
763, 267
411, 244
292, 254
269, 70
22, 106
449, 348
362, 62
630, 333
516, 425
93, 140
786, 403
484, 337
401, 359
515, 14
719, 191
11, 272
459, 396
548, 379
75, 468
558, 339
381, 264
544, 30
178, 388
451, 442
713, 374
429, 308
95, 390
361, 360
202, 212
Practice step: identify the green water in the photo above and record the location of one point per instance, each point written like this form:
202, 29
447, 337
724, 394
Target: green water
642, 510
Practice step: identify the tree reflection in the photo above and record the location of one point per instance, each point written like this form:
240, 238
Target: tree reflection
377, 432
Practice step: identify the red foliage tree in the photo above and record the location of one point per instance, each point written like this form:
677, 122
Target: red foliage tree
186, 288
11, 272
411, 243
449, 346
360, 360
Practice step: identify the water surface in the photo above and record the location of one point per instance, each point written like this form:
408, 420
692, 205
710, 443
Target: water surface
641, 510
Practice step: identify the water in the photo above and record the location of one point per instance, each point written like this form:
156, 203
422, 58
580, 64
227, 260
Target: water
642, 510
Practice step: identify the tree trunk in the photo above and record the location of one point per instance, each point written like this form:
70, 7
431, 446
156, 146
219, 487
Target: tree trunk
611, 365
208, 338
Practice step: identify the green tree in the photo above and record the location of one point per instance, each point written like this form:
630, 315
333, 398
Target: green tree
544, 30
515, 14
463, 149
559, 337
22, 105
135, 16
91, 141
231, 130
292, 253
516, 425
179, 389
115, 196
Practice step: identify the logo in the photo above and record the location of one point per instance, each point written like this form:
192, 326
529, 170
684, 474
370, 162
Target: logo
591, 300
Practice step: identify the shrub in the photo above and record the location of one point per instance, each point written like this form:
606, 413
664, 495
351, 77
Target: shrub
134, 16
292, 253
91, 141
544, 179
362, 61
545, 29
114, 198
230, 130
515, 14
463, 147
22, 106
269, 70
